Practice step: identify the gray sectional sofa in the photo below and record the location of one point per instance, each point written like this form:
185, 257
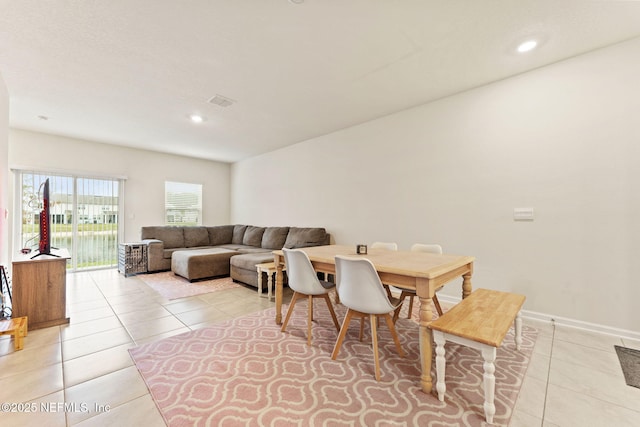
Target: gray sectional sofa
241, 246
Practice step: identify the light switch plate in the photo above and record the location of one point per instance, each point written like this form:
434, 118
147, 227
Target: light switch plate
523, 214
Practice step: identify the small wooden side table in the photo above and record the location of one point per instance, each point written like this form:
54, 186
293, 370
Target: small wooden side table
270, 269
16, 327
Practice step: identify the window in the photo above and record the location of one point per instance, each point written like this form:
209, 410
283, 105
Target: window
83, 214
182, 203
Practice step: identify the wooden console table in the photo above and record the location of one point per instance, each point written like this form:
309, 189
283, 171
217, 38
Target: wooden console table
40, 288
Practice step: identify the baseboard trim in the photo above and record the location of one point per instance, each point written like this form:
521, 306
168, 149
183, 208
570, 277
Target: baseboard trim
564, 321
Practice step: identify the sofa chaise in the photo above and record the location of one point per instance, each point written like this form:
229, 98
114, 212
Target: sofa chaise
223, 250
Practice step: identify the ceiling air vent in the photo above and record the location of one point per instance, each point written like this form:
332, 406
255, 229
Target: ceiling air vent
221, 101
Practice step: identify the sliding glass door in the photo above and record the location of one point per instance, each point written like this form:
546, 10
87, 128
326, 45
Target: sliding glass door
84, 216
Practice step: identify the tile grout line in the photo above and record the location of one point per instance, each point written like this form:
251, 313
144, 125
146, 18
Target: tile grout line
67, 421
549, 372
546, 389
64, 386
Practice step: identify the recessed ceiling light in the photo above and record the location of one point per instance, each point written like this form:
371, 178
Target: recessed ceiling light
296, 1
527, 46
196, 118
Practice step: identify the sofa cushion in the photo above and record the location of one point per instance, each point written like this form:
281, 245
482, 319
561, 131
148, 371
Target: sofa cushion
253, 236
171, 236
149, 232
254, 250
220, 235
249, 261
238, 234
167, 253
274, 237
195, 236
304, 237
233, 247
244, 248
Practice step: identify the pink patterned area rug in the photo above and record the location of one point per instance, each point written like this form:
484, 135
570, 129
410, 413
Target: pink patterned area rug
245, 372
171, 286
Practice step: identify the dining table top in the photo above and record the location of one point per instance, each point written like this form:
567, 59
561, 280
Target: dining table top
405, 263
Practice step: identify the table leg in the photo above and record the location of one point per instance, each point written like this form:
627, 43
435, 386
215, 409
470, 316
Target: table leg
518, 327
269, 284
278, 290
466, 284
259, 283
426, 316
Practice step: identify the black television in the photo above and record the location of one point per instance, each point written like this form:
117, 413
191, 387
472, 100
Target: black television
44, 246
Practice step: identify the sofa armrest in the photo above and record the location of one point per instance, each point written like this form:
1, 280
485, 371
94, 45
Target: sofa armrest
155, 254
150, 242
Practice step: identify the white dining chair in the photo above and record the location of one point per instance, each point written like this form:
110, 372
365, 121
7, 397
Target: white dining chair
304, 281
420, 247
362, 292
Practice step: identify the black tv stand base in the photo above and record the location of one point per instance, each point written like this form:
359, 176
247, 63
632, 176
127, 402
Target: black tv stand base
45, 253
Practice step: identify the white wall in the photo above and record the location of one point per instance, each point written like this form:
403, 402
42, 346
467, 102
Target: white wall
4, 173
146, 174
562, 139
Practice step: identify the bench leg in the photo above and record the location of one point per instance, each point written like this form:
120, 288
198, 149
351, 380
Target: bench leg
22, 332
260, 284
489, 356
518, 327
18, 339
441, 364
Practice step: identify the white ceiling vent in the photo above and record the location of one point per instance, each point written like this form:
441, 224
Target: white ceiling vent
221, 101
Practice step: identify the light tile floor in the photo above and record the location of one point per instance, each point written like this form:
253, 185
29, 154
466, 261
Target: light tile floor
83, 374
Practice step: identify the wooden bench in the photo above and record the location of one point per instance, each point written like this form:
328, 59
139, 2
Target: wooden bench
16, 327
479, 321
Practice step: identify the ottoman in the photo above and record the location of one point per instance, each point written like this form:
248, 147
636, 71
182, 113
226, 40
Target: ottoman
201, 263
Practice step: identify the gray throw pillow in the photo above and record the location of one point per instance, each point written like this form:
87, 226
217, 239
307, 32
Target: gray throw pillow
238, 234
304, 237
220, 235
253, 236
274, 237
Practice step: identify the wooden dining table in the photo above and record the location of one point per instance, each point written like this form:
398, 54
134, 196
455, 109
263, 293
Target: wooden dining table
421, 271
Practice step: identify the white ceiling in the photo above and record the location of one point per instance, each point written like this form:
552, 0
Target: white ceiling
130, 72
